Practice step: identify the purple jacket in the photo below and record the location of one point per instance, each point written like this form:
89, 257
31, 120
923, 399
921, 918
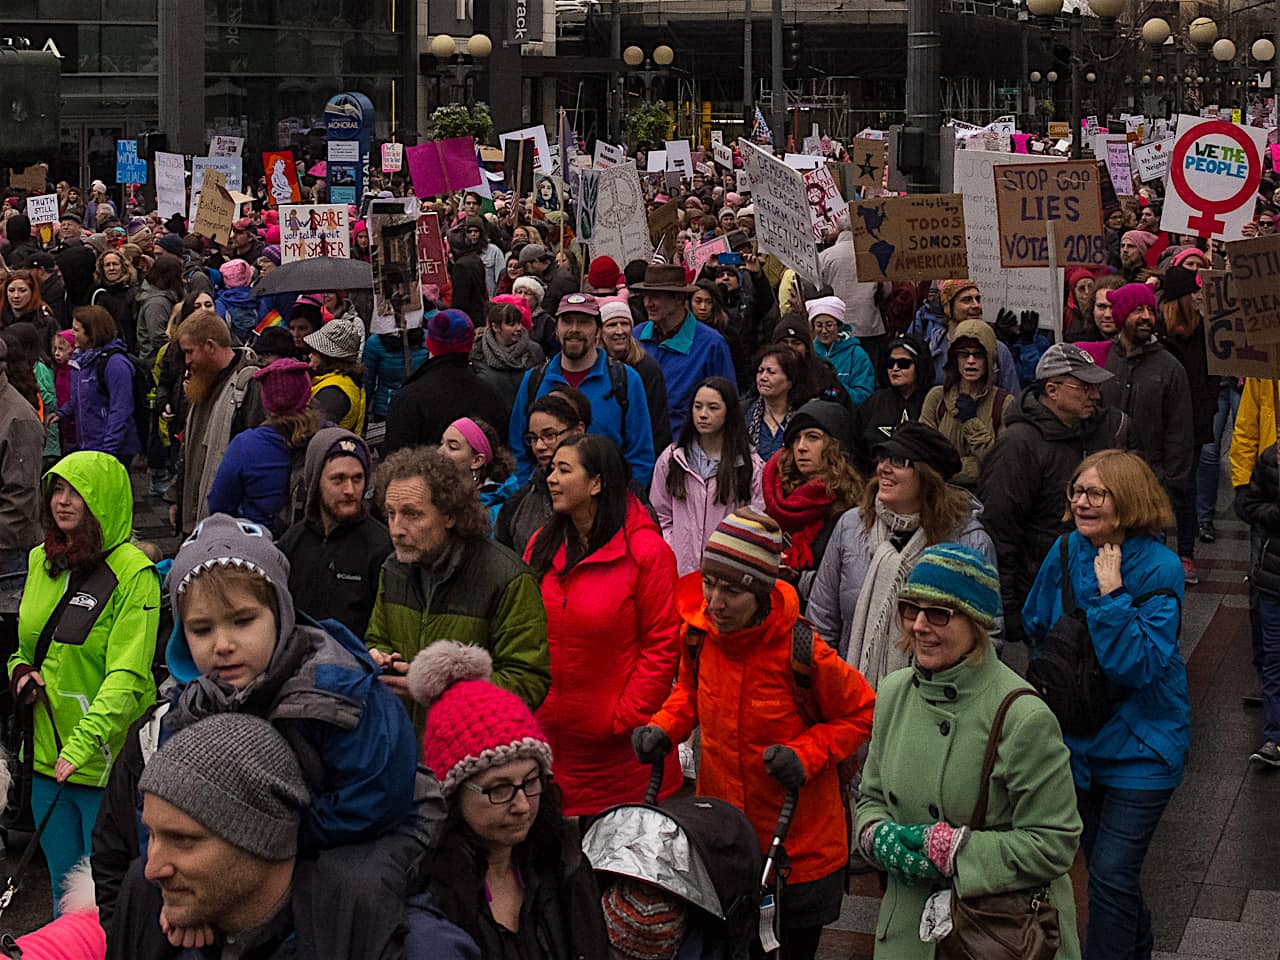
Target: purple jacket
104, 419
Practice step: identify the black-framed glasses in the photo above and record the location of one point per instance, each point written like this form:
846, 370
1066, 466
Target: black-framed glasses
549, 437
937, 616
901, 363
1093, 496
501, 793
902, 463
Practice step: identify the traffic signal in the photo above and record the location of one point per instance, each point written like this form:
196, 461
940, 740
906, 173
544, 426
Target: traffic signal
150, 141
792, 48
29, 105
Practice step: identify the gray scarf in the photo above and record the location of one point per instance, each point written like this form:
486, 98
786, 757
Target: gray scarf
491, 353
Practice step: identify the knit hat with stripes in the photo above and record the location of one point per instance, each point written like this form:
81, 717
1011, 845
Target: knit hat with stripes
953, 575
745, 549
644, 922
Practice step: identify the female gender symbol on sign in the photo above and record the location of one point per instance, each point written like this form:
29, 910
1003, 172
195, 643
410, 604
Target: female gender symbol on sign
1219, 167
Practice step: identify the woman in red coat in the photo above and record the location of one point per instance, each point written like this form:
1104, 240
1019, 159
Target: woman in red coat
608, 583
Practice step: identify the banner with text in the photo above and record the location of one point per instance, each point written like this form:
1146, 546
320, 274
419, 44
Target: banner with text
1228, 350
1215, 168
313, 230
783, 227
916, 237
616, 223
397, 283
1255, 286
1029, 196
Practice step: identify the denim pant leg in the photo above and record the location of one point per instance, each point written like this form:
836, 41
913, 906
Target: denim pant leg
1208, 473
1118, 827
1269, 615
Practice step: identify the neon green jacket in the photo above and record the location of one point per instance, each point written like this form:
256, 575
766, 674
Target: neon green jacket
98, 687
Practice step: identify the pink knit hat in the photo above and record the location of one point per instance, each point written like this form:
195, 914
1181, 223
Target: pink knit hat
237, 273
472, 725
285, 386
520, 303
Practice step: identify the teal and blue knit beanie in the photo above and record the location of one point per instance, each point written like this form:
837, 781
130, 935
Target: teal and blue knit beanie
956, 576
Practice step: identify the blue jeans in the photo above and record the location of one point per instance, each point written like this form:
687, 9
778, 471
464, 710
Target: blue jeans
1269, 617
1208, 474
1118, 826
69, 834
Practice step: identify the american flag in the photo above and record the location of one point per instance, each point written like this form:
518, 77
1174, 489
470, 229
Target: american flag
658, 255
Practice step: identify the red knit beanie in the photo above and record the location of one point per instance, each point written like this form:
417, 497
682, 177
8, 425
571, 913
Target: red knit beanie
603, 274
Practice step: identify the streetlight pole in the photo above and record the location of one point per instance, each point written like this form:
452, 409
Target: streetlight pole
615, 81
778, 99
921, 134
748, 94
1076, 46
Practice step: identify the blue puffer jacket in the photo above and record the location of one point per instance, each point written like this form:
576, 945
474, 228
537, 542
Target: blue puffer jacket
253, 478
494, 495
1135, 635
853, 366
384, 369
239, 307
104, 418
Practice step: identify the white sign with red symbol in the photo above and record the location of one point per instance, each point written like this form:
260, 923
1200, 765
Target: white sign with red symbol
1215, 167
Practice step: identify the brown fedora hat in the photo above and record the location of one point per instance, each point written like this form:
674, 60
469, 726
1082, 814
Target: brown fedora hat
664, 278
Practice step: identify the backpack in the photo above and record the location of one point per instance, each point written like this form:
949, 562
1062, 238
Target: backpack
242, 320
617, 390
294, 505
1066, 672
143, 388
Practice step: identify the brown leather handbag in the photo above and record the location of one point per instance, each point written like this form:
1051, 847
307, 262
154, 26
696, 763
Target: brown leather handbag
1019, 925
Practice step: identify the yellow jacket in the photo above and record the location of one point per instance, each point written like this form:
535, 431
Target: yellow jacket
354, 419
1255, 428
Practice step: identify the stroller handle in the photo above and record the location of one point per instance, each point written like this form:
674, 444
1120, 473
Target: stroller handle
783, 826
655, 782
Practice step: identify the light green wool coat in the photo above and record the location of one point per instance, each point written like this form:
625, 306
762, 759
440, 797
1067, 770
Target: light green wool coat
927, 744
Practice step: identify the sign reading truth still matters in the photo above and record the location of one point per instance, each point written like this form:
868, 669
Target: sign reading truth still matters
1214, 171
1030, 195
1228, 350
1255, 286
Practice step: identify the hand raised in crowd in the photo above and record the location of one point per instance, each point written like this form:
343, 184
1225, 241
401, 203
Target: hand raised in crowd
185, 938
1106, 565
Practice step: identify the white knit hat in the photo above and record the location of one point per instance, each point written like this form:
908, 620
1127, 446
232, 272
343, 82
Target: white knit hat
830, 306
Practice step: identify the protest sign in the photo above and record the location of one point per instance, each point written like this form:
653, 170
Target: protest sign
215, 209
1255, 286
1215, 168
33, 179
1152, 160
1058, 129
679, 157
1117, 157
1030, 195
706, 169
1228, 350
783, 227
130, 168
619, 227
541, 149
825, 202
698, 256
586, 188
723, 155
607, 155
392, 157
313, 230
433, 270
220, 146
397, 282
1015, 290
282, 178
802, 161
231, 169
43, 208
438, 167
171, 184
655, 161
548, 193
868, 161
717, 136
916, 237
518, 166
664, 224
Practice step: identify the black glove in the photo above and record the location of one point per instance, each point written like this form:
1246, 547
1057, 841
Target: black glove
966, 407
1007, 326
1030, 324
651, 744
784, 766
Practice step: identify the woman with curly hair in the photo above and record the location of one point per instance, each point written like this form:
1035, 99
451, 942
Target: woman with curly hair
808, 485
116, 289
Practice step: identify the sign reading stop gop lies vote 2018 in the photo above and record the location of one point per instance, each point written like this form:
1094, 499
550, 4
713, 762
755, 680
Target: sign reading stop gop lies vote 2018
1214, 171
1029, 195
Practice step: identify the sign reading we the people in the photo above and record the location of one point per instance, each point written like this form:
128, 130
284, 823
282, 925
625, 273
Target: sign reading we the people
313, 230
1215, 168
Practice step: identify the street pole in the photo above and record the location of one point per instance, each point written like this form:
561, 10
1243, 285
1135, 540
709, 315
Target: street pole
778, 99
748, 104
408, 119
1025, 102
924, 92
1076, 46
616, 95
181, 30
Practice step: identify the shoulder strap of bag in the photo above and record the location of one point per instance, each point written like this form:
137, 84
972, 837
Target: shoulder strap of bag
1068, 591
693, 637
979, 819
802, 641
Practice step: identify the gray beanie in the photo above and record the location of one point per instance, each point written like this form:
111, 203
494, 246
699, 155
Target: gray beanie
236, 776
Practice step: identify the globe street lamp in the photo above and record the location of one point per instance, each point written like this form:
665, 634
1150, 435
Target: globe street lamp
445, 48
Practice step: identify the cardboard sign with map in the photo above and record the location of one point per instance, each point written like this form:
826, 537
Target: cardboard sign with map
916, 237
868, 161
1228, 350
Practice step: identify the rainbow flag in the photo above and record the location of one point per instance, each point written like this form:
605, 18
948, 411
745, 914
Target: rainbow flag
273, 319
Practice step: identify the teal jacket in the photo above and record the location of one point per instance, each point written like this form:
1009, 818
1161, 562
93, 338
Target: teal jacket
100, 683
853, 367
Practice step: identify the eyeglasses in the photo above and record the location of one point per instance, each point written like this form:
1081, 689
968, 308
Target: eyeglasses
1088, 389
501, 793
971, 355
901, 363
902, 463
549, 437
937, 616
1094, 496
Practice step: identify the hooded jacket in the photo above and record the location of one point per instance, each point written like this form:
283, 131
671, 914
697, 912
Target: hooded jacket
384, 368
611, 634
744, 700
102, 400
98, 682
334, 575
852, 365
253, 478
154, 307
886, 408
975, 437
239, 308
120, 299
1023, 484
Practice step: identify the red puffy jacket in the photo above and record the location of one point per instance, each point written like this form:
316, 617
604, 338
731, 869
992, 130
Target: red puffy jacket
611, 631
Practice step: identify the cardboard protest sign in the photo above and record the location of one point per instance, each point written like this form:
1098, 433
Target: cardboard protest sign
679, 157
314, 230
130, 168
1215, 168
1059, 129
723, 155
618, 225
916, 237
392, 157
438, 167
698, 256
825, 202
541, 149
433, 268
664, 224
32, 179
1117, 157
518, 166
397, 282
43, 208
783, 227
231, 169
282, 178
548, 193
607, 155
171, 184
215, 209
221, 146
1152, 160
1030, 195
1255, 286
868, 161
1228, 349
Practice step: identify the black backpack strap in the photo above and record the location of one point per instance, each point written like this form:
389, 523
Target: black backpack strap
693, 637
802, 641
536, 376
100, 361
1161, 592
1068, 591
618, 392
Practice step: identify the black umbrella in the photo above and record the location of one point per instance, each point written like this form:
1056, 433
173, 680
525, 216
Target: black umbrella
315, 274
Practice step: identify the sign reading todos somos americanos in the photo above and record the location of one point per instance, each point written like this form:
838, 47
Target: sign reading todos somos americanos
1214, 171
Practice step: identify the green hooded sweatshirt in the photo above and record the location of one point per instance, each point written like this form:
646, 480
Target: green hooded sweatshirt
101, 682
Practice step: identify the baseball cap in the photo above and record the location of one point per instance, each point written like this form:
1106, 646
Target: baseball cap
1068, 360
578, 303
533, 251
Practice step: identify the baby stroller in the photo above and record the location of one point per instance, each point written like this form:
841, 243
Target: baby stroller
700, 849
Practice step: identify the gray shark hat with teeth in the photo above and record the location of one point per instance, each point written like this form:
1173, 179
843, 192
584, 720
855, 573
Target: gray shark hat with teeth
222, 541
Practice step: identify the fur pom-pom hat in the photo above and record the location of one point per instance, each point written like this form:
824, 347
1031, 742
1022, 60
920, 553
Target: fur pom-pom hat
472, 725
